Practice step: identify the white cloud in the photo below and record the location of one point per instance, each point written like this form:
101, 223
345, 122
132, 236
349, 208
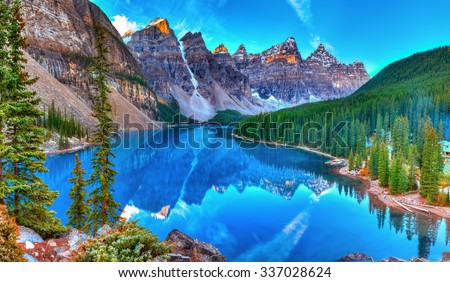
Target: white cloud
303, 10
316, 41
123, 24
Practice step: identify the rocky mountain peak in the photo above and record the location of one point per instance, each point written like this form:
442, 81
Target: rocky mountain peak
287, 51
321, 55
128, 33
161, 24
220, 49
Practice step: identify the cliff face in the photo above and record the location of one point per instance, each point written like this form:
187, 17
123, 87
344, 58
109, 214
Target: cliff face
281, 73
187, 72
61, 35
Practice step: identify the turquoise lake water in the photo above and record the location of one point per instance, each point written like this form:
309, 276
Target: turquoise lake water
253, 202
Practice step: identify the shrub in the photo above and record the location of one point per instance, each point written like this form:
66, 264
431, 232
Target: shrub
128, 243
10, 251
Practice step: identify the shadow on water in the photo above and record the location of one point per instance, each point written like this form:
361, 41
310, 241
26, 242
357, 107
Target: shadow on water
254, 204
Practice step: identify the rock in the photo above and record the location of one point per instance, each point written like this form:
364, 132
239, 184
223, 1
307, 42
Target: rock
393, 259
63, 257
414, 259
30, 258
187, 73
61, 36
51, 243
196, 250
356, 257
26, 234
29, 245
446, 256
178, 258
75, 237
103, 230
281, 73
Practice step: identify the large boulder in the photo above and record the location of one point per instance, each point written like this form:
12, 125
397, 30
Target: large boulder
356, 257
414, 259
28, 235
445, 256
75, 237
103, 230
196, 250
393, 259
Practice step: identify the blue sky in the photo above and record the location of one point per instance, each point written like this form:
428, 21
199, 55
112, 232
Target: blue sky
374, 32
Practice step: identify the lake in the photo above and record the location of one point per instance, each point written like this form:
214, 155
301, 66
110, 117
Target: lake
254, 202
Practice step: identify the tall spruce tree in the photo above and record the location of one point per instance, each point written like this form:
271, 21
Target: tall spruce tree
28, 197
383, 165
78, 211
431, 165
374, 162
103, 207
412, 181
351, 161
398, 180
4, 78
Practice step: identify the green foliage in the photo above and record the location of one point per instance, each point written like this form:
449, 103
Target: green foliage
26, 195
227, 117
398, 178
78, 211
55, 120
412, 181
383, 165
400, 136
431, 165
374, 161
104, 208
133, 78
351, 161
170, 113
128, 243
10, 251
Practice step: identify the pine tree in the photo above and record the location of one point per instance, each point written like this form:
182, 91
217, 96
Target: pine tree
373, 168
351, 161
398, 179
30, 197
4, 79
103, 207
358, 162
78, 211
383, 165
431, 165
412, 181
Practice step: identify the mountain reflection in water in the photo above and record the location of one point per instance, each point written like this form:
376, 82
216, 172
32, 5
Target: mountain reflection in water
254, 204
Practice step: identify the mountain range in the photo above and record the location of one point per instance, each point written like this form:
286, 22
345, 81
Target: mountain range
152, 70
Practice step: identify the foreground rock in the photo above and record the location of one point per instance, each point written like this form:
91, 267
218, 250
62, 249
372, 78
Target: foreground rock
445, 256
53, 250
356, 257
28, 235
393, 259
360, 257
184, 248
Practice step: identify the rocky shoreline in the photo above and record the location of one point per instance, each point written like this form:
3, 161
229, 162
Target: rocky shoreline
410, 202
61, 249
